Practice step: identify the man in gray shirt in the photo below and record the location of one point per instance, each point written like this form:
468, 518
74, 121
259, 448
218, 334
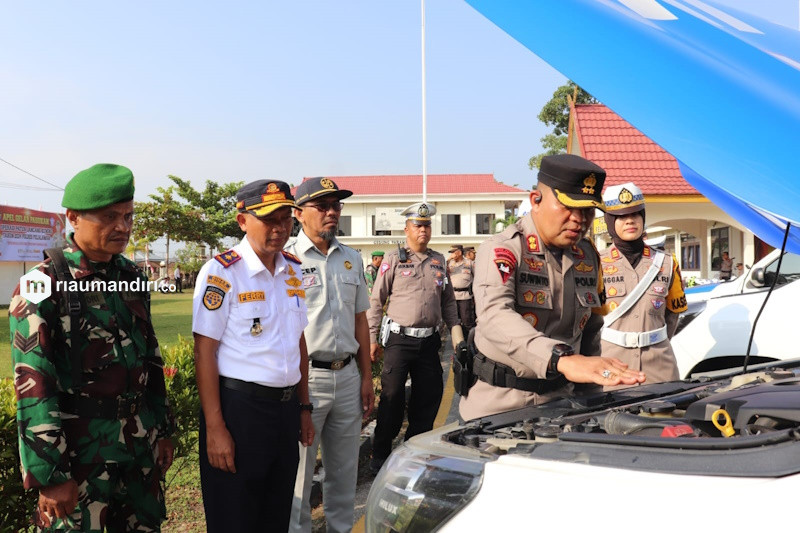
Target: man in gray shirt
338, 343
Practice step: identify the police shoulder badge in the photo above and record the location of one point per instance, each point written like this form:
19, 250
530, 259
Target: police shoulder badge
506, 262
533, 243
228, 258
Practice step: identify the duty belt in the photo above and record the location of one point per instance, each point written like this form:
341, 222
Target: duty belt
332, 365
465, 289
419, 333
634, 339
500, 375
283, 394
112, 408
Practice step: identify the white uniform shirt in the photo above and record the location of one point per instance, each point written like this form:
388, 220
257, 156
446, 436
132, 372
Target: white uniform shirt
229, 301
336, 291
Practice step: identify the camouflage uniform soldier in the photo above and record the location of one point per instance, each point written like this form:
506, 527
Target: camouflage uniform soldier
93, 436
371, 272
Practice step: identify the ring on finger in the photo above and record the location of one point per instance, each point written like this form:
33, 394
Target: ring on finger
606, 373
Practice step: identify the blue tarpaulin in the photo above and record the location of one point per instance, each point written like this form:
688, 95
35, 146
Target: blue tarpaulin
718, 89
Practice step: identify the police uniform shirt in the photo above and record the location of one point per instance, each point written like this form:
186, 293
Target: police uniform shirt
418, 291
461, 274
528, 299
660, 305
335, 291
256, 316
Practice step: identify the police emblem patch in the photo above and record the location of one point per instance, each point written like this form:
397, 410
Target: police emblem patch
583, 267
534, 265
326, 183
505, 261
659, 289
625, 196
348, 265
531, 318
384, 267
212, 299
272, 188
658, 303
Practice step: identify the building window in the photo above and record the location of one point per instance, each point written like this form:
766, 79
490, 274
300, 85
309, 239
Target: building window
451, 224
484, 223
379, 232
345, 226
719, 244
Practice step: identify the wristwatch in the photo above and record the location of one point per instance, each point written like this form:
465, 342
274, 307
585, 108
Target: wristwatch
559, 350
307, 407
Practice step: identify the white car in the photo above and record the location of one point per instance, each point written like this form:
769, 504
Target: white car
656, 458
717, 336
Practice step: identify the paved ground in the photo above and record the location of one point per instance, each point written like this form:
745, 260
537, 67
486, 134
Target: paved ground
448, 412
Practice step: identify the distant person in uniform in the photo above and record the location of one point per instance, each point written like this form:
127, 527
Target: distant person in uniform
461, 271
414, 281
371, 272
739, 269
539, 296
249, 312
725, 267
338, 347
92, 411
469, 253
178, 278
643, 288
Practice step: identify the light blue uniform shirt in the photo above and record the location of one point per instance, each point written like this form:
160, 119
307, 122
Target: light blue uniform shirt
335, 292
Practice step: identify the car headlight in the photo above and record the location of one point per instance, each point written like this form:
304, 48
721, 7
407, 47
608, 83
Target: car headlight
418, 491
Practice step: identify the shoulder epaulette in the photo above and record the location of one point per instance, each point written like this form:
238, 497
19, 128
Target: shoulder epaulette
291, 257
228, 258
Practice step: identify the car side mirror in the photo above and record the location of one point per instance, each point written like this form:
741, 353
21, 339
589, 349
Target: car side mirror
757, 277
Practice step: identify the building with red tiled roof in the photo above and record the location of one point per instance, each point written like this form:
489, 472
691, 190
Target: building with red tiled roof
468, 209
697, 231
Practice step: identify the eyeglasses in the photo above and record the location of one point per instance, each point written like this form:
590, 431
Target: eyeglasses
324, 208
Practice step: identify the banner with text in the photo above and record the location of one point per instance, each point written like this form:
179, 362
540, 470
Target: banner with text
25, 233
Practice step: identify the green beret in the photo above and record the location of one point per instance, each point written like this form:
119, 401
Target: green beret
377, 253
99, 186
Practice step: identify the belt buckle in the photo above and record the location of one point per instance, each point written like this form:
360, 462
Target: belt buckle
632, 339
287, 394
337, 365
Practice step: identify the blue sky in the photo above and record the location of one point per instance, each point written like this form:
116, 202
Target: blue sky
267, 89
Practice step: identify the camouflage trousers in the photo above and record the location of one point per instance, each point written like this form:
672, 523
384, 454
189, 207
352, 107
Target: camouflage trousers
114, 497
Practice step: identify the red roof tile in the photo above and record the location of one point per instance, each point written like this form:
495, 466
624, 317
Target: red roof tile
626, 153
412, 184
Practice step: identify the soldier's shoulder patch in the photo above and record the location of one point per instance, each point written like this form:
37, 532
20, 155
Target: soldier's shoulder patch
213, 297
291, 257
228, 258
26, 344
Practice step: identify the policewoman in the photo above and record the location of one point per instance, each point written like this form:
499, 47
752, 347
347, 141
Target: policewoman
538, 294
249, 314
643, 288
414, 281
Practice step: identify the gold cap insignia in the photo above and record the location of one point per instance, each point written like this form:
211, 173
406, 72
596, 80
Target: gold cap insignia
326, 183
588, 184
625, 196
272, 188
423, 210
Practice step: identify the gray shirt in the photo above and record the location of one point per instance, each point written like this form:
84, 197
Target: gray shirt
335, 292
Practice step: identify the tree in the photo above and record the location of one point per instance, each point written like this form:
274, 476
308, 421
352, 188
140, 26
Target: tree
166, 217
217, 205
556, 113
139, 245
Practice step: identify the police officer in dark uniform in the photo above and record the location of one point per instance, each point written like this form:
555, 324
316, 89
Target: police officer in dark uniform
414, 281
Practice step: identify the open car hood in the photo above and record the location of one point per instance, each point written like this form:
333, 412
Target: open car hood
717, 88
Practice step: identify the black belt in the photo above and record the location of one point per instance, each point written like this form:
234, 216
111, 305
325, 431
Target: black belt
115, 408
283, 394
500, 375
332, 365
469, 289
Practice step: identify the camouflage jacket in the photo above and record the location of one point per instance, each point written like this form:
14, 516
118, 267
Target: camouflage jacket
370, 274
120, 357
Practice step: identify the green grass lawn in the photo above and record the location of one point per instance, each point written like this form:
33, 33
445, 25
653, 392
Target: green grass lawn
172, 316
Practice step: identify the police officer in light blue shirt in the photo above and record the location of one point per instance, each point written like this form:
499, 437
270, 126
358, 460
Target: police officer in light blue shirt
337, 336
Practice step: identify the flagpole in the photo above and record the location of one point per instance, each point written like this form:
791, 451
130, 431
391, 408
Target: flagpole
424, 120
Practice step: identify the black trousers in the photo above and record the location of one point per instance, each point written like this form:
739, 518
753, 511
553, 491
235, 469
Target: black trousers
419, 357
258, 497
178, 284
466, 313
